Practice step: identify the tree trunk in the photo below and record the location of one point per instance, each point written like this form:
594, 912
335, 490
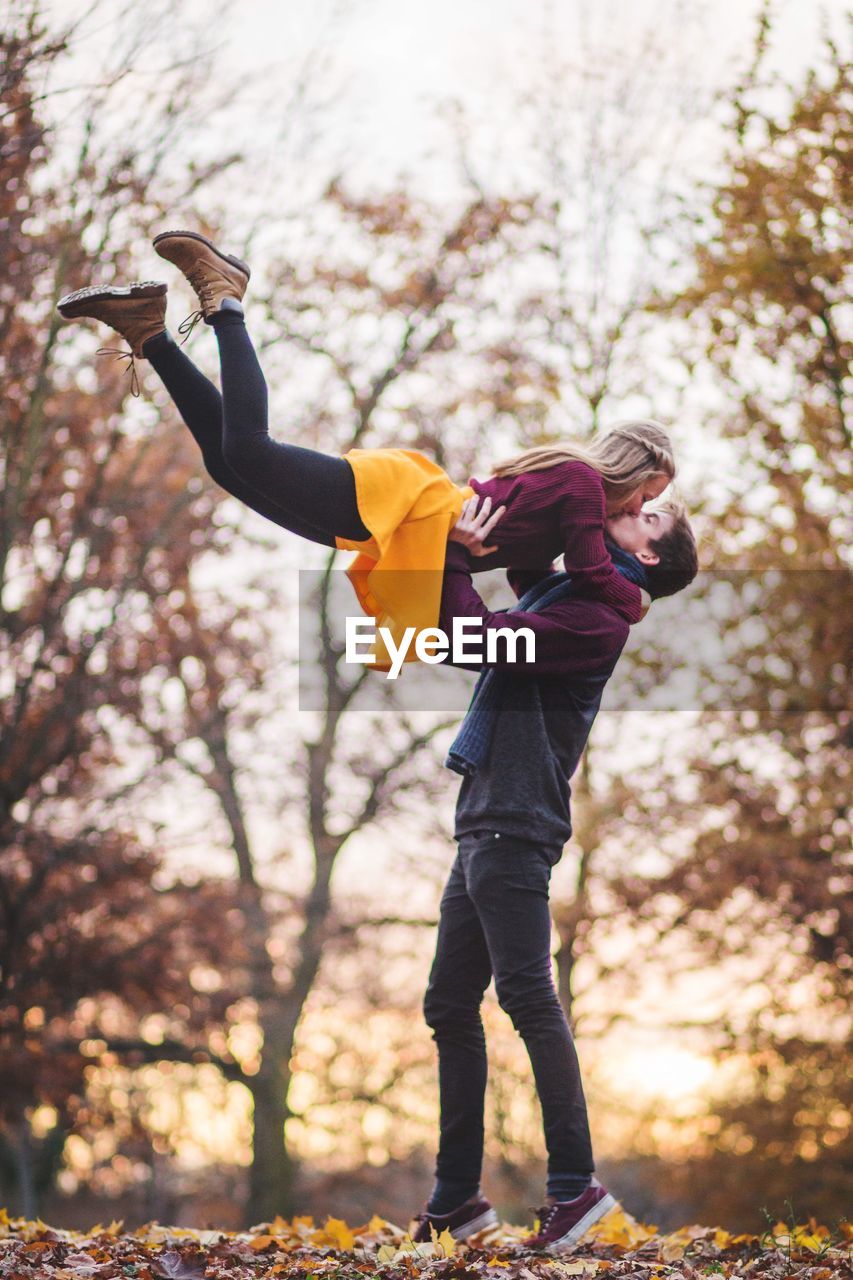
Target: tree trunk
272, 1180
26, 1182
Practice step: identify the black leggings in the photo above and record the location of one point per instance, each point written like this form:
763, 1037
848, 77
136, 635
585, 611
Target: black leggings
303, 490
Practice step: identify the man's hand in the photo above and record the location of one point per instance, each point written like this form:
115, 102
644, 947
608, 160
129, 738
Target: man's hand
473, 526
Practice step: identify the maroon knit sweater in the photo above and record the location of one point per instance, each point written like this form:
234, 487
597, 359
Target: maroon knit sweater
557, 511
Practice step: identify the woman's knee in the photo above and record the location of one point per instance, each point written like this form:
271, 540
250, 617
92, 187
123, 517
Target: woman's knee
221, 473
247, 454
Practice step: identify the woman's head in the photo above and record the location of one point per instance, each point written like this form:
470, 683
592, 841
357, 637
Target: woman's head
634, 459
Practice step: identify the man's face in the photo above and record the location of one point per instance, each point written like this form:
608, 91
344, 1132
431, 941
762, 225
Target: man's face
635, 533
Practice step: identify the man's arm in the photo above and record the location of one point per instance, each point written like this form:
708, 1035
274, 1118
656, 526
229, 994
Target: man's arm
521, 580
573, 637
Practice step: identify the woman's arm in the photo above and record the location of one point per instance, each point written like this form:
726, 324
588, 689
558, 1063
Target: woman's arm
472, 530
473, 526
586, 558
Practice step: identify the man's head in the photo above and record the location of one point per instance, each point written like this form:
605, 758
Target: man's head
664, 544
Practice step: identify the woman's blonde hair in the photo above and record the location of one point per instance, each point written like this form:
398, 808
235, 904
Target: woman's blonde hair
626, 457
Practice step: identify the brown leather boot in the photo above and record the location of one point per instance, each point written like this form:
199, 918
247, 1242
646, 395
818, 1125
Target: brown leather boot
214, 275
136, 311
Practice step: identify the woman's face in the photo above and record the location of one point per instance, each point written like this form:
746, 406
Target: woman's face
647, 492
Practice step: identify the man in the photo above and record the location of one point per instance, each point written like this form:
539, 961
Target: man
512, 821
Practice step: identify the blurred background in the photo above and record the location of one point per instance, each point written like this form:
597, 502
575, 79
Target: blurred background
472, 227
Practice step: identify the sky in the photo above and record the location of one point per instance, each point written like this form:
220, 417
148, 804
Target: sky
385, 71
397, 62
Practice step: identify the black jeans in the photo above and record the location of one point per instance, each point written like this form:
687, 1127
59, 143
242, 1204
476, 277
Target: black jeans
308, 492
495, 920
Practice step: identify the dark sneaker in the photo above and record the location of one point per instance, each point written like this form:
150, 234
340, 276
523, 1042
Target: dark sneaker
460, 1223
562, 1225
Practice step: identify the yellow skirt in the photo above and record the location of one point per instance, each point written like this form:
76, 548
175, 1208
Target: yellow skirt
409, 504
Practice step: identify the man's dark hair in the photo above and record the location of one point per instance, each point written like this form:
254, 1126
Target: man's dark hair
679, 562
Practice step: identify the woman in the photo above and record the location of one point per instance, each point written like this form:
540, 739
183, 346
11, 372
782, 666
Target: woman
394, 507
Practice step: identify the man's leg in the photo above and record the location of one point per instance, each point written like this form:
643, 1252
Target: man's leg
507, 881
460, 973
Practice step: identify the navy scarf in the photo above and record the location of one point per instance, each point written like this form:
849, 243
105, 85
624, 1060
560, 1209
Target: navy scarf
470, 748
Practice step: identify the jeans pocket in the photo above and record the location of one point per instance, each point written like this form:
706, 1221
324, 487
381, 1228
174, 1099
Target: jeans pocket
525, 862
535, 866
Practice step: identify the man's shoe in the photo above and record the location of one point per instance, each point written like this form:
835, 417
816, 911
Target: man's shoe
462, 1222
136, 311
214, 275
563, 1224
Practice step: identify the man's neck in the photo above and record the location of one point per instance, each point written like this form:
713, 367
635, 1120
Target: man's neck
627, 563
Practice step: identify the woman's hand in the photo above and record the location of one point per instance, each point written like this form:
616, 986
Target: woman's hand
473, 526
646, 600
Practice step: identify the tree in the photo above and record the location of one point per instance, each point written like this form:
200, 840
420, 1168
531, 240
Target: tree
109, 620
100, 521
765, 875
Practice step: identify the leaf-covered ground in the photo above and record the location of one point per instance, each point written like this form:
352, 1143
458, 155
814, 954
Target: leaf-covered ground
617, 1246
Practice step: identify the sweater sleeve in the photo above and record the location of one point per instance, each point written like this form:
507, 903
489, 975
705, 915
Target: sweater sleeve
585, 554
521, 580
575, 637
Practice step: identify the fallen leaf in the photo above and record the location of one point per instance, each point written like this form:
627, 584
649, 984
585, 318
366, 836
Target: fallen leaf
336, 1233
445, 1242
671, 1251
171, 1266
262, 1242
82, 1264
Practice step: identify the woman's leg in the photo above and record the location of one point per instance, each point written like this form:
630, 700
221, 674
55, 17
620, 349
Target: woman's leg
312, 486
200, 405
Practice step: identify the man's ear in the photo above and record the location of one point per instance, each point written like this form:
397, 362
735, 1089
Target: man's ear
647, 556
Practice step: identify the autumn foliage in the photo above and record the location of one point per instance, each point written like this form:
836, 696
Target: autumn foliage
616, 1246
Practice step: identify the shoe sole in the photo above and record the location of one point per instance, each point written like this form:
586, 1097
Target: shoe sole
487, 1219
580, 1228
68, 306
194, 235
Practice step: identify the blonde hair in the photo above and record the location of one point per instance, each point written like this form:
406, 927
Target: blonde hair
626, 457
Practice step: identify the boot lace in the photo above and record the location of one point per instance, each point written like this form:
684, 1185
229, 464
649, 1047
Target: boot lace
204, 289
131, 368
189, 323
